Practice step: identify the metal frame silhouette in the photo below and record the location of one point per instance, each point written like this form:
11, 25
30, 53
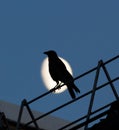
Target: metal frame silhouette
87, 117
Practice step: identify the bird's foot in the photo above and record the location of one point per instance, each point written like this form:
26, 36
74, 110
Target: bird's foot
57, 87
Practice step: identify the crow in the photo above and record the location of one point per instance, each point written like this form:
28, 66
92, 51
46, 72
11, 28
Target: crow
59, 72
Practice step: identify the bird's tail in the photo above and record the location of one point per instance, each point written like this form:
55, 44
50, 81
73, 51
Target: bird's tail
71, 88
71, 92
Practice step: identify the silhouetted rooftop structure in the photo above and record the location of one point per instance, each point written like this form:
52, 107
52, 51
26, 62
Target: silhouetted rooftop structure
9, 116
111, 122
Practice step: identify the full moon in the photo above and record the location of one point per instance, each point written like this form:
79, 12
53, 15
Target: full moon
47, 80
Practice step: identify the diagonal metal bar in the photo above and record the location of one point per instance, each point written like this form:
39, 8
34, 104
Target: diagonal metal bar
109, 79
93, 94
20, 115
31, 114
44, 94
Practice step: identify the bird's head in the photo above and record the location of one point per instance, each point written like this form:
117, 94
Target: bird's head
50, 53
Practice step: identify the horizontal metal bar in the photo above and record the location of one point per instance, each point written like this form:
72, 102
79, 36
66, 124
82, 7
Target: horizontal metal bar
89, 121
53, 89
93, 69
82, 118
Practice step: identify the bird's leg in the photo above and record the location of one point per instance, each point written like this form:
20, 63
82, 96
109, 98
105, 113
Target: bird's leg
57, 86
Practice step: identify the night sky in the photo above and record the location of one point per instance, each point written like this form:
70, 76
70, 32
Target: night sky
82, 32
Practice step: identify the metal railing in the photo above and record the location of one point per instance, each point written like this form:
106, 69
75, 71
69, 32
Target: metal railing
87, 117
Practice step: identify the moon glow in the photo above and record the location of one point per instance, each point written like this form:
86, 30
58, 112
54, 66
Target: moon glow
47, 80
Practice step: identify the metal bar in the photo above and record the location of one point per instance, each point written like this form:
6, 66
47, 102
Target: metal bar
109, 79
90, 120
93, 93
108, 61
70, 102
3, 121
20, 115
53, 89
104, 107
31, 114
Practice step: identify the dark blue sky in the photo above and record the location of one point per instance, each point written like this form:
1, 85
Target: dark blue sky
82, 32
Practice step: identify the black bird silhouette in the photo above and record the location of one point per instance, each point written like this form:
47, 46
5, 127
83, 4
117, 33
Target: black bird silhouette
59, 72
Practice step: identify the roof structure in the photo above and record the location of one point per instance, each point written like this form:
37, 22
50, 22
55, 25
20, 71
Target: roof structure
11, 112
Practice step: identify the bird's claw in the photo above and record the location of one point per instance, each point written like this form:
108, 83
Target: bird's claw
57, 87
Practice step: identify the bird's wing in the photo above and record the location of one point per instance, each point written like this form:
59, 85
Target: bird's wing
63, 73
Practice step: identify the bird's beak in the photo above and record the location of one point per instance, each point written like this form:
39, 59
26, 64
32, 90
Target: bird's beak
45, 52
